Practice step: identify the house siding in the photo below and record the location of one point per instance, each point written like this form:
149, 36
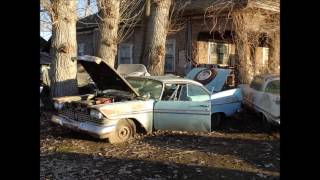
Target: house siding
200, 46
91, 40
87, 39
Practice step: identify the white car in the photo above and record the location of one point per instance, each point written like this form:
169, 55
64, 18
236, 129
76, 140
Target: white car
263, 96
132, 70
41, 104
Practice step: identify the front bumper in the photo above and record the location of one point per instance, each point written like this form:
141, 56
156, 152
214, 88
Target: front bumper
99, 131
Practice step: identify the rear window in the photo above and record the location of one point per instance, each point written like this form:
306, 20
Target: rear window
257, 83
273, 87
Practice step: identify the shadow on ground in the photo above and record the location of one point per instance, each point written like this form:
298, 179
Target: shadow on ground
79, 166
246, 122
257, 153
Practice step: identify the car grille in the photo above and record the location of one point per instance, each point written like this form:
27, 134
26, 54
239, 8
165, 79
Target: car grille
80, 116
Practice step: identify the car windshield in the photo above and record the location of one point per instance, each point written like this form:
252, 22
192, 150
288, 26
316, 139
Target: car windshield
257, 83
273, 87
146, 87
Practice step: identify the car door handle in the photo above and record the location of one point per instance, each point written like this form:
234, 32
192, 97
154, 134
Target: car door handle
204, 105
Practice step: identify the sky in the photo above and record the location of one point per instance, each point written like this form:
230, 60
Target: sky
45, 23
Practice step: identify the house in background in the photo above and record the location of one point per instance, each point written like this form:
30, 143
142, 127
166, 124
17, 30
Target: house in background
45, 61
43, 43
197, 40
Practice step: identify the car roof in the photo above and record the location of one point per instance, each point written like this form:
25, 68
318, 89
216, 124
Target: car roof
169, 79
269, 76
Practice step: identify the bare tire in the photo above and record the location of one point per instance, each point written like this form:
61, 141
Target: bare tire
205, 76
216, 121
125, 130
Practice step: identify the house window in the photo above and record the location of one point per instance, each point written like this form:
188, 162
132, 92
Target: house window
81, 49
125, 53
170, 56
218, 53
265, 56
212, 58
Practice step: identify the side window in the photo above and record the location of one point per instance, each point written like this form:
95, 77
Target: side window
125, 53
170, 92
196, 91
273, 87
257, 83
183, 96
193, 93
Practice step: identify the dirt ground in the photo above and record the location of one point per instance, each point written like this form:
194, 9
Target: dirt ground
241, 149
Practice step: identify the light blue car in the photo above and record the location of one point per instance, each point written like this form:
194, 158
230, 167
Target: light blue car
121, 107
224, 101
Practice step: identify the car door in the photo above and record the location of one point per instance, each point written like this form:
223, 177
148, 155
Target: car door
270, 101
188, 109
255, 92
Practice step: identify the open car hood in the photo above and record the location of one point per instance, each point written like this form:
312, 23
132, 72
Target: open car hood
216, 83
132, 70
104, 76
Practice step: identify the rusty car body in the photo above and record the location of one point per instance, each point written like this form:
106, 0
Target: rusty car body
119, 107
263, 96
132, 70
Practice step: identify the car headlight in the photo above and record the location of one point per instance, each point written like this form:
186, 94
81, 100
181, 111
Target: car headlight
58, 106
96, 114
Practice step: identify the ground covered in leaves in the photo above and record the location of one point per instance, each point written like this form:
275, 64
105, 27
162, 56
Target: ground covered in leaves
241, 149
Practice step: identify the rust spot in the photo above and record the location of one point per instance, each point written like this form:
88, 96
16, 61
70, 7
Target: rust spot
120, 109
115, 110
137, 107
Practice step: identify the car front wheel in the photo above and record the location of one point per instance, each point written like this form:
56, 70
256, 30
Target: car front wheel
125, 130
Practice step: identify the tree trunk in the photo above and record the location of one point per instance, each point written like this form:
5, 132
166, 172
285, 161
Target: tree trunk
109, 12
244, 63
274, 56
144, 30
64, 47
156, 36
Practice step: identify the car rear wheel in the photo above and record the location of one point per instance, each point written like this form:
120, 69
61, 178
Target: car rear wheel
125, 130
216, 121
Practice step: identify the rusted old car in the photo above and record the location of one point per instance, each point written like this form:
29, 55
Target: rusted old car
119, 107
263, 96
132, 70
